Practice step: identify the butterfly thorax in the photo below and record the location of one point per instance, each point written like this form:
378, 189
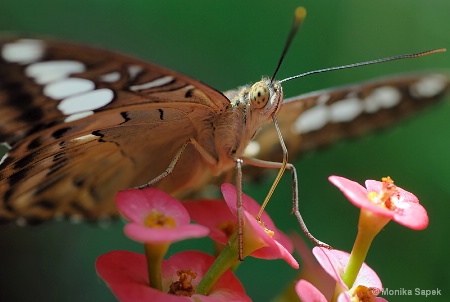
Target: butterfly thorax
250, 108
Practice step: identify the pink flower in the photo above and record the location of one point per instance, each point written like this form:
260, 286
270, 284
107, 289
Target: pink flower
261, 239
386, 200
334, 262
126, 275
156, 217
215, 215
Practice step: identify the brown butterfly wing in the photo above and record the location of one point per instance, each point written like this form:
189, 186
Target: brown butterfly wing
59, 166
309, 121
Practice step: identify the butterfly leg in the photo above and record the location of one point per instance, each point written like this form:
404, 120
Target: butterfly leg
295, 208
169, 169
204, 153
240, 213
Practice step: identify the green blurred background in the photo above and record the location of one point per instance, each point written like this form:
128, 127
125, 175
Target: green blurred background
229, 43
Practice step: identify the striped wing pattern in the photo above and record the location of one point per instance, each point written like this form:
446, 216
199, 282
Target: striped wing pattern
82, 123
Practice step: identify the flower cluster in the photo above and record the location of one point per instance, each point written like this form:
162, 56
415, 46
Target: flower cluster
157, 220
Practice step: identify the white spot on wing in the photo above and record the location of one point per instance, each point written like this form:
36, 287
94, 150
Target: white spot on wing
323, 99
155, 83
252, 149
23, 51
134, 70
77, 116
345, 110
87, 137
68, 87
382, 97
311, 120
110, 77
87, 101
429, 86
46, 72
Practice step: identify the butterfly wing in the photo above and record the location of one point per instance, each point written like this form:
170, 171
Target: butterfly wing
317, 119
82, 123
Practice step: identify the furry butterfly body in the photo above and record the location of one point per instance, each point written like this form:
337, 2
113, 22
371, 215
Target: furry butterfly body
82, 123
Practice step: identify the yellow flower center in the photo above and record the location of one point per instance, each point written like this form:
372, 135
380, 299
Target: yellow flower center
268, 231
183, 287
388, 195
156, 219
362, 293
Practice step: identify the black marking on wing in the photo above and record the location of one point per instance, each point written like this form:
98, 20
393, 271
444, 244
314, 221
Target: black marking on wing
60, 132
59, 163
41, 126
32, 114
25, 161
78, 182
125, 117
18, 176
33, 220
46, 204
7, 161
35, 143
99, 134
161, 114
59, 156
95, 196
17, 97
189, 93
46, 185
6, 198
62, 145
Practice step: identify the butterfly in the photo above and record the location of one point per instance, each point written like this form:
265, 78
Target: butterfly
80, 124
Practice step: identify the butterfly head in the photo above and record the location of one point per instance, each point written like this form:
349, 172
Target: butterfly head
266, 95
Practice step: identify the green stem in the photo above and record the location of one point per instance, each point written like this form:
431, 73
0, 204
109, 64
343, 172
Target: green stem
359, 252
155, 254
369, 226
226, 259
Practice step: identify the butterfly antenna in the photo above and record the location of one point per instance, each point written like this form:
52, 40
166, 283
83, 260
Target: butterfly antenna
399, 57
299, 16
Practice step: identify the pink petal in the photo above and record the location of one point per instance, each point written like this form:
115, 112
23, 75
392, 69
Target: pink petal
144, 234
330, 263
413, 216
211, 213
308, 293
356, 193
334, 263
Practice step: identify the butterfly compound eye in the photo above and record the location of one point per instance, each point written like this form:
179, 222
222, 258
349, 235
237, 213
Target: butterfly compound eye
259, 94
